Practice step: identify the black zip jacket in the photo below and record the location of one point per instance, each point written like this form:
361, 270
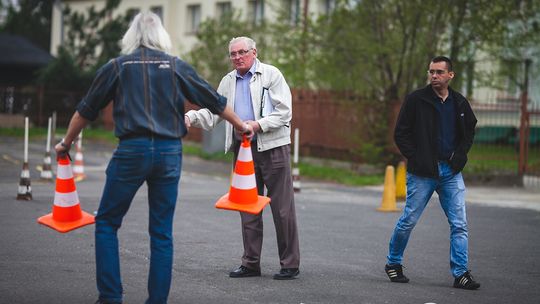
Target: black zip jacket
417, 129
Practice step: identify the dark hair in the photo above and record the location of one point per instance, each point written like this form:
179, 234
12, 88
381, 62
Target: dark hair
444, 59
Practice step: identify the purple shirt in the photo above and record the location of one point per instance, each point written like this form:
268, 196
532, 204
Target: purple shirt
243, 107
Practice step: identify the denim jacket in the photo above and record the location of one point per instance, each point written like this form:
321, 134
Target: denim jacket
148, 88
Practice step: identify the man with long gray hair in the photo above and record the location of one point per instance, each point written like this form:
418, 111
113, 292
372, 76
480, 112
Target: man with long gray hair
148, 87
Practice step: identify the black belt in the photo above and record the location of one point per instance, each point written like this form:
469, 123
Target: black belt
144, 135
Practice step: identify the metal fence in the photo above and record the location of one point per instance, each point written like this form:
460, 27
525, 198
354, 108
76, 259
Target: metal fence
506, 148
507, 143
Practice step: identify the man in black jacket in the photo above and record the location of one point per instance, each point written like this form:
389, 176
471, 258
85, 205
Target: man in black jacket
434, 131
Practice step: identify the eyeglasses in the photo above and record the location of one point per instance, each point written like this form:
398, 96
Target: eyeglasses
239, 53
438, 72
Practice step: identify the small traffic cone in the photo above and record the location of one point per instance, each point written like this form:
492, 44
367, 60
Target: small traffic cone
242, 194
25, 189
66, 213
78, 167
401, 188
388, 203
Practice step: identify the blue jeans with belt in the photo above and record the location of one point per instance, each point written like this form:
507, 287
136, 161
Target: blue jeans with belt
451, 190
157, 161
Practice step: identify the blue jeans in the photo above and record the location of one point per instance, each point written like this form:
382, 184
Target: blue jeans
157, 161
451, 190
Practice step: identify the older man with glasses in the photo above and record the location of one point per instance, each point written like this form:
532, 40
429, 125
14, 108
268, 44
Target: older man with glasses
260, 96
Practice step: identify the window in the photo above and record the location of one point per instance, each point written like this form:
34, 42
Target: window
223, 8
292, 8
193, 18
158, 10
256, 11
327, 6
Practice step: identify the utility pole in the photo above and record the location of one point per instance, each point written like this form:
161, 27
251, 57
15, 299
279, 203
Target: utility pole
524, 123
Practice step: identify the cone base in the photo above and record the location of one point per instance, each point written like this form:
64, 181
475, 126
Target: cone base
64, 227
255, 208
24, 197
79, 177
388, 209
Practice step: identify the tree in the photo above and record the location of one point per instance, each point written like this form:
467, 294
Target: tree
379, 50
210, 54
92, 39
30, 19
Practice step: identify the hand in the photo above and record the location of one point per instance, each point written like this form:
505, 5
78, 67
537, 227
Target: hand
247, 130
254, 124
187, 122
62, 147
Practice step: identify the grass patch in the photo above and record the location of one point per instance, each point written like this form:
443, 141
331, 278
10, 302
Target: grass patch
484, 159
342, 176
487, 158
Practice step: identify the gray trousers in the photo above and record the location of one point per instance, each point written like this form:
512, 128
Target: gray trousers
273, 170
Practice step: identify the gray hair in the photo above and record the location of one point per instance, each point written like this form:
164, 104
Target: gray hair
146, 30
249, 42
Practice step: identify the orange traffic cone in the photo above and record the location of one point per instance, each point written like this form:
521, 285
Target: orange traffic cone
388, 203
78, 168
243, 195
66, 214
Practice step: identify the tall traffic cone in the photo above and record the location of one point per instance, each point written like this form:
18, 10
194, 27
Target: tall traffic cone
296, 171
78, 168
242, 194
401, 188
66, 213
25, 190
388, 203
46, 172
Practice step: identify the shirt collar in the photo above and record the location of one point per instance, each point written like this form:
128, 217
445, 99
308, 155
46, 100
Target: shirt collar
249, 73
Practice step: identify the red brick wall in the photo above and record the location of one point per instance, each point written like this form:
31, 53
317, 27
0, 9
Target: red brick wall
329, 124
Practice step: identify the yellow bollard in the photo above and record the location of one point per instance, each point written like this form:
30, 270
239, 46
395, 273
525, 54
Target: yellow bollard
388, 203
401, 188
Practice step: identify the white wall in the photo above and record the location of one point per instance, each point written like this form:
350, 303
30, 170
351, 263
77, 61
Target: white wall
175, 16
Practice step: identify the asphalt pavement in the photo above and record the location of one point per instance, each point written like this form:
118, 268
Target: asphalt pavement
343, 243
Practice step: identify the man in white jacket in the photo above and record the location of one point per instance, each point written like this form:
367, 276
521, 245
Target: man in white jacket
260, 96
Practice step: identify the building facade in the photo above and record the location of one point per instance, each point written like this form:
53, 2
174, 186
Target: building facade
182, 18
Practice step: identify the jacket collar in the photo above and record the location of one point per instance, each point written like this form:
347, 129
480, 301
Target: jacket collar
428, 94
258, 69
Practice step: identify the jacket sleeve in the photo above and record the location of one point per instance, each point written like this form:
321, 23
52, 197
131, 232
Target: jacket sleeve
197, 90
101, 92
204, 118
404, 131
280, 94
459, 158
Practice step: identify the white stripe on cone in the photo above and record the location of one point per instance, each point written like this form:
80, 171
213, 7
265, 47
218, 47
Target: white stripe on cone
244, 182
244, 154
78, 156
24, 189
64, 172
25, 174
66, 199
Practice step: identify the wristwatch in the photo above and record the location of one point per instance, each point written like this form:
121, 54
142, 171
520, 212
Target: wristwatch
63, 144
